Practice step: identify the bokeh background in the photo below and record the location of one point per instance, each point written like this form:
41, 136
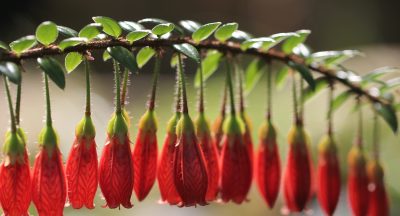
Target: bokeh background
370, 26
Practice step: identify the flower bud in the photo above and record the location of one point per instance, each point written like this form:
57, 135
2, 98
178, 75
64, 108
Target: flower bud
298, 173
15, 184
81, 166
165, 171
328, 175
49, 188
268, 166
144, 155
357, 182
190, 171
210, 153
378, 200
116, 167
236, 173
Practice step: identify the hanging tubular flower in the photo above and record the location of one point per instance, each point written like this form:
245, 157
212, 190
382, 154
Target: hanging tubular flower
378, 200
145, 153
190, 168
116, 166
81, 167
357, 182
328, 175
268, 166
165, 171
49, 188
298, 173
15, 184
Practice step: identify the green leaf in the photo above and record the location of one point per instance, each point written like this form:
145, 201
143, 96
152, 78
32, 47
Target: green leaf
130, 26
12, 71
53, 69
66, 31
209, 64
320, 84
47, 33
90, 31
303, 51
157, 21
124, 57
292, 41
304, 72
4, 46
189, 25
390, 85
377, 73
205, 31
162, 29
137, 35
388, 113
332, 58
106, 55
110, 26
23, 44
174, 60
188, 50
254, 72
281, 76
144, 55
72, 60
241, 35
224, 32
264, 42
70, 42
279, 37
339, 100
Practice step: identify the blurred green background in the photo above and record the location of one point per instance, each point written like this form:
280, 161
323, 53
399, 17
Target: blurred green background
365, 25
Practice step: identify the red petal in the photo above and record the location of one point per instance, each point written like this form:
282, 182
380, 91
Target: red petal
15, 187
190, 171
378, 200
297, 177
268, 171
236, 169
116, 172
210, 153
328, 181
81, 171
357, 184
49, 189
145, 163
165, 172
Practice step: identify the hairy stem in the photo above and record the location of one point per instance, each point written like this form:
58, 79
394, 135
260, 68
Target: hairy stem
157, 67
88, 100
184, 107
230, 86
359, 142
124, 90
239, 74
330, 112
294, 98
201, 94
375, 138
178, 90
118, 108
49, 121
269, 91
10, 105
18, 103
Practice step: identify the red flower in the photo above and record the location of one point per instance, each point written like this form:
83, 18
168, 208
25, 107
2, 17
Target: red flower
116, 168
298, 173
328, 175
145, 155
165, 172
236, 173
81, 167
357, 182
268, 169
15, 184
210, 152
378, 200
49, 188
190, 171
218, 130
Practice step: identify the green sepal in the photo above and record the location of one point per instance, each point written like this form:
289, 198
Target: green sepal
173, 122
267, 131
148, 122
13, 147
327, 145
185, 125
298, 136
48, 139
117, 126
202, 125
233, 125
85, 128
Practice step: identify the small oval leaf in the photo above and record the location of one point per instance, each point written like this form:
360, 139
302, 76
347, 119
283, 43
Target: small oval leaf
188, 50
47, 33
23, 44
90, 31
66, 31
388, 113
53, 69
106, 55
320, 84
130, 26
205, 31
189, 25
304, 72
4, 46
264, 42
209, 64
162, 29
144, 55
12, 71
137, 35
333, 58
339, 100
70, 42
110, 26
124, 57
156, 21
254, 72
281, 76
292, 41
72, 61
224, 32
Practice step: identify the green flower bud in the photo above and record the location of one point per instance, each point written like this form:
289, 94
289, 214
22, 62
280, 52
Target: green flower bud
85, 128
